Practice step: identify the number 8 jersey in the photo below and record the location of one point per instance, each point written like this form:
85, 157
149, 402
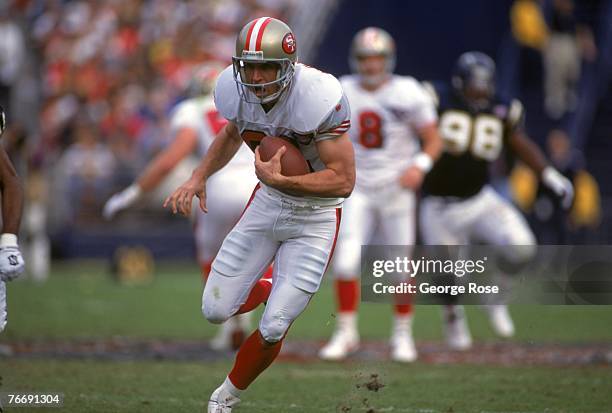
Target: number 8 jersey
383, 127
472, 139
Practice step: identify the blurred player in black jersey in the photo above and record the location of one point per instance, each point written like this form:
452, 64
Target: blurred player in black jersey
459, 206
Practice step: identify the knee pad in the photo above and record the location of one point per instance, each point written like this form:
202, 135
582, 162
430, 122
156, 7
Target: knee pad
214, 312
274, 329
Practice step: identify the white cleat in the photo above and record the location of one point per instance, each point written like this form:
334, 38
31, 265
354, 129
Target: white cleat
343, 343
403, 349
500, 320
222, 401
457, 333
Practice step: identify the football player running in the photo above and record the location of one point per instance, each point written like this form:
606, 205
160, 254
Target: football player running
291, 220
389, 114
11, 261
459, 206
194, 123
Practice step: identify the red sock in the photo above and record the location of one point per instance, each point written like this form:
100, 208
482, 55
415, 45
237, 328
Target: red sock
403, 302
268, 273
254, 356
206, 266
347, 295
259, 294
403, 309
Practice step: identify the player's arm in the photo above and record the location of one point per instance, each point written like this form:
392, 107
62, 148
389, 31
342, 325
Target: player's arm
427, 122
336, 180
422, 162
12, 195
11, 261
527, 151
423, 116
222, 150
184, 143
431, 142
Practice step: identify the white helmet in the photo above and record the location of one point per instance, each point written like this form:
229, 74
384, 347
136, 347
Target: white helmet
372, 41
265, 40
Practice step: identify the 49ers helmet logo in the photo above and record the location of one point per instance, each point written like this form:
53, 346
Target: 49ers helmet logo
289, 43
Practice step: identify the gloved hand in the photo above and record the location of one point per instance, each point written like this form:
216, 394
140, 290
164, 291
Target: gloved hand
560, 185
121, 200
11, 261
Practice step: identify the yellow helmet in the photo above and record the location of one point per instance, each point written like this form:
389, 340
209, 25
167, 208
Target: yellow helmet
372, 41
265, 40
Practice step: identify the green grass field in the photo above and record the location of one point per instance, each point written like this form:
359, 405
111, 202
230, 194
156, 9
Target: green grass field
81, 301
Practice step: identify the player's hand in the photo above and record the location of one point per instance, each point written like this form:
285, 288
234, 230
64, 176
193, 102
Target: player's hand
269, 172
120, 201
181, 198
412, 178
11, 263
560, 185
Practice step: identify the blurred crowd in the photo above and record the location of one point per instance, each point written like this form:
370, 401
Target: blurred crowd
88, 85
548, 60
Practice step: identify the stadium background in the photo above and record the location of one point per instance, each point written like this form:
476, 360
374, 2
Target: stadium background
88, 106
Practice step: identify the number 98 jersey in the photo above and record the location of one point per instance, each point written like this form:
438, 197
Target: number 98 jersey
472, 139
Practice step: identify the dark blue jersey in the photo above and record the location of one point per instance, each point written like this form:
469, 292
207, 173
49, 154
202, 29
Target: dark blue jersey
472, 139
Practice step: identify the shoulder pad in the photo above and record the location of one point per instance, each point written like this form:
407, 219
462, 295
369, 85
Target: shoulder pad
430, 89
515, 112
226, 95
348, 80
189, 113
406, 86
411, 101
313, 96
509, 110
183, 113
184, 106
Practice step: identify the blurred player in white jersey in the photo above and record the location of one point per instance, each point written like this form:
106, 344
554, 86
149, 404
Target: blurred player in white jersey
459, 206
389, 115
11, 261
194, 124
291, 219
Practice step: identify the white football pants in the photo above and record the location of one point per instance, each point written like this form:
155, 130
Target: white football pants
227, 193
3, 315
485, 217
300, 240
390, 209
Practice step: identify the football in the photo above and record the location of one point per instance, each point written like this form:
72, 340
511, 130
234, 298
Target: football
293, 162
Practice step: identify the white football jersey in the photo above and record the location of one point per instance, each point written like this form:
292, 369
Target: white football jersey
384, 124
313, 108
200, 114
